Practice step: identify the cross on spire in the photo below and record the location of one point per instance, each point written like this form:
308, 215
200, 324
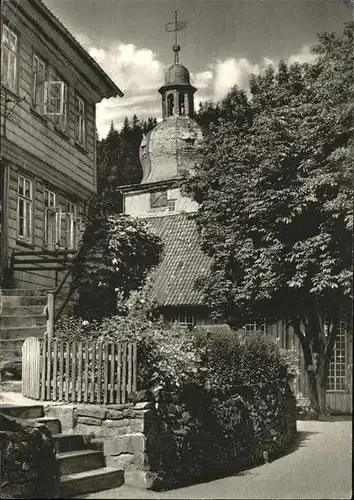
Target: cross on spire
174, 27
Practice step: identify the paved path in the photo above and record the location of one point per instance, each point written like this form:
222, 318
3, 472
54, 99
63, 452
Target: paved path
318, 467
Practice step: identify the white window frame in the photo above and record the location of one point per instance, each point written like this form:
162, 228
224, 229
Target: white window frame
51, 211
171, 204
183, 319
255, 327
80, 107
9, 58
38, 83
56, 96
24, 230
337, 371
73, 226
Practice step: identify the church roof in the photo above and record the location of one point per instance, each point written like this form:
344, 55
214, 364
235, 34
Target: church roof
183, 262
177, 74
169, 148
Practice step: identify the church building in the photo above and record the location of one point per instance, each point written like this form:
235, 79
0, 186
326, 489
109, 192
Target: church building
172, 147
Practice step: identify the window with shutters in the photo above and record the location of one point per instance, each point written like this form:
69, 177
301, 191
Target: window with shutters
51, 220
24, 208
9, 60
73, 226
80, 121
38, 83
56, 100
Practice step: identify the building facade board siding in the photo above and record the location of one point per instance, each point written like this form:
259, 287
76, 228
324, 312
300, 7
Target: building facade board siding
45, 149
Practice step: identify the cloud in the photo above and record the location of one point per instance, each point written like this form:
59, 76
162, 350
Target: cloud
232, 72
137, 72
304, 56
216, 82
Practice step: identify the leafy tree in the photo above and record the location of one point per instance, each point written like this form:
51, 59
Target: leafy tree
116, 255
117, 251
275, 195
118, 163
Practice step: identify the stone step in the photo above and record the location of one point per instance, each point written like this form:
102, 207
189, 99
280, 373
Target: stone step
70, 442
91, 481
18, 332
26, 412
33, 310
22, 300
10, 386
53, 424
71, 462
22, 320
11, 350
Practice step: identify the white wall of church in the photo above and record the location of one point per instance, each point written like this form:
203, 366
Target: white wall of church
138, 204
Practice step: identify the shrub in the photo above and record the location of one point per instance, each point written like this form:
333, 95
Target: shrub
173, 358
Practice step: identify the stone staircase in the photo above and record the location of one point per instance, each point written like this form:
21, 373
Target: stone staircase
82, 469
22, 315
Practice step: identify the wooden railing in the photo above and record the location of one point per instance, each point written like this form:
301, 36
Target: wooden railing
88, 372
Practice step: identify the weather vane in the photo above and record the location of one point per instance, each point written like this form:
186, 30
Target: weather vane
174, 27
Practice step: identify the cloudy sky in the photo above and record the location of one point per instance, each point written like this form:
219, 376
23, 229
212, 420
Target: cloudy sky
225, 41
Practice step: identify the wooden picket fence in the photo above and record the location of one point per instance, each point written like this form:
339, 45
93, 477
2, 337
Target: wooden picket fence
99, 372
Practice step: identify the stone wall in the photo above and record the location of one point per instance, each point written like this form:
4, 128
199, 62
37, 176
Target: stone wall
28, 465
183, 438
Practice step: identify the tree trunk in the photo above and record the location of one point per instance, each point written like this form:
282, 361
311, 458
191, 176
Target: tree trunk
317, 353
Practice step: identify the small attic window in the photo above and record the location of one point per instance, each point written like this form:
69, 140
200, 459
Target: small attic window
189, 142
143, 146
158, 199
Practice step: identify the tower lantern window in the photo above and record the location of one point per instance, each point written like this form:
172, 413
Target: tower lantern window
181, 104
170, 105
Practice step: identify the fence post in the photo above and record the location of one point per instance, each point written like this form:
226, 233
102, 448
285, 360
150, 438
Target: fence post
50, 313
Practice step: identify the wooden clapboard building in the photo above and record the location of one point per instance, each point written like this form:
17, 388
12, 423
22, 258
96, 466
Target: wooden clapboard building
171, 147
49, 88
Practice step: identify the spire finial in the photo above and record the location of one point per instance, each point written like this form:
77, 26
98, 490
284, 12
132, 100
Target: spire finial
174, 27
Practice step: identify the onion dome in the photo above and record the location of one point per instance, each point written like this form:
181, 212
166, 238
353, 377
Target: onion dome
177, 74
170, 148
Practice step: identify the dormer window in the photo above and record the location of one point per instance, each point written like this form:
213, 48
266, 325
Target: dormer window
143, 147
190, 142
158, 199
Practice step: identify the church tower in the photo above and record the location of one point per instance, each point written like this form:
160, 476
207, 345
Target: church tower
169, 149
177, 93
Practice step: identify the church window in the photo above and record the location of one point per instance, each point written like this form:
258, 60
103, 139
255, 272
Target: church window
337, 366
181, 103
171, 205
255, 327
190, 142
170, 105
158, 199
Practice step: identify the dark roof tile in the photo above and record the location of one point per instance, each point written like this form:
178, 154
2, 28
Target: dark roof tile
183, 261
